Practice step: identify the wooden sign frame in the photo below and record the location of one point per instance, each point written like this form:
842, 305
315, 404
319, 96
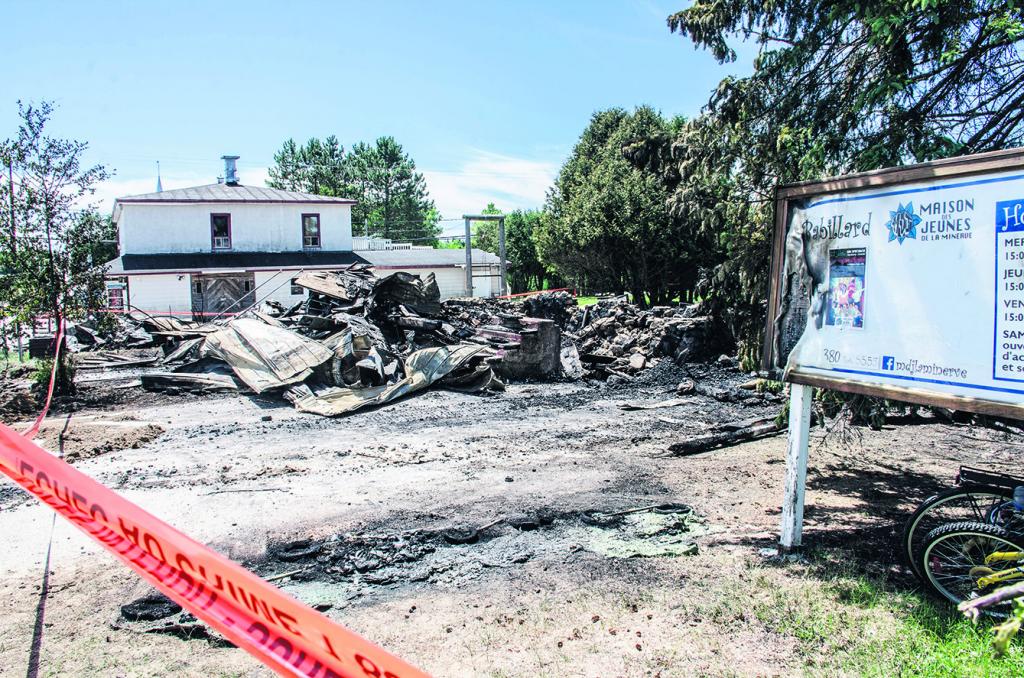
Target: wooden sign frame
997, 161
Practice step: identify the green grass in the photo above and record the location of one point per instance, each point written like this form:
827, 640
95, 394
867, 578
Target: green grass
12, 357
849, 623
769, 386
590, 301
10, 360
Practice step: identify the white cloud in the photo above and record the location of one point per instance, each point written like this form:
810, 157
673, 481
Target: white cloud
509, 182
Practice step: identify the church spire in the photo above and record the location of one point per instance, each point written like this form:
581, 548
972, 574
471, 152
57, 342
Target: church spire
159, 186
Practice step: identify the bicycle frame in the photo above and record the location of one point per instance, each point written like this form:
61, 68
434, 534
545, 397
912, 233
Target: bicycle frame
991, 578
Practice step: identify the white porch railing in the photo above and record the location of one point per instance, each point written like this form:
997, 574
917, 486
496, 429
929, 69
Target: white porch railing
369, 243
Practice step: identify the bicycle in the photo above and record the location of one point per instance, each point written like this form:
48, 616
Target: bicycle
980, 496
966, 560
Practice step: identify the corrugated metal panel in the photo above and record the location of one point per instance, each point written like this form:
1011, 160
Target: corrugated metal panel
225, 193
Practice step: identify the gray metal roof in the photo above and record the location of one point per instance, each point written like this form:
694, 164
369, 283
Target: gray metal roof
229, 193
425, 258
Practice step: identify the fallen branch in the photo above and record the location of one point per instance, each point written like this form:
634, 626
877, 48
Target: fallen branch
638, 509
490, 524
286, 574
711, 441
674, 402
723, 395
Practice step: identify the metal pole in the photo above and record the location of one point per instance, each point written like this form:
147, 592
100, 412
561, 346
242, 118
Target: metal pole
501, 256
469, 262
796, 466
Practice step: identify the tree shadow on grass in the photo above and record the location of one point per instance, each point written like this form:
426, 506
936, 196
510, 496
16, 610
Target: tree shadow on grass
862, 518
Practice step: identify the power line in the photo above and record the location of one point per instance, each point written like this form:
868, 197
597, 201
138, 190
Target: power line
263, 164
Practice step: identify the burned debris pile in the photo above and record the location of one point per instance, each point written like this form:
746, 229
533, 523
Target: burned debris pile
611, 337
615, 337
355, 341
619, 336
358, 341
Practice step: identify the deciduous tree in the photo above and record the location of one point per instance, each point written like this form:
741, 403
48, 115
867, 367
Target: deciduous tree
526, 272
485, 233
49, 233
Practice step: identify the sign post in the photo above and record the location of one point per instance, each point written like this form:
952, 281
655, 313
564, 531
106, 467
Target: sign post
904, 283
796, 466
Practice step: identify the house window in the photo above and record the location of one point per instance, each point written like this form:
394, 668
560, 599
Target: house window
296, 289
311, 231
115, 297
220, 231
247, 285
197, 288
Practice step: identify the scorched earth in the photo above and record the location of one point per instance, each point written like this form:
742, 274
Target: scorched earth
375, 519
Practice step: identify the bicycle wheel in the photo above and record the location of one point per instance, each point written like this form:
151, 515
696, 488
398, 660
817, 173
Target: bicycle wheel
965, 503
953, 557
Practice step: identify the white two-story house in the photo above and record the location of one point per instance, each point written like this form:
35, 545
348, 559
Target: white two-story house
219, 248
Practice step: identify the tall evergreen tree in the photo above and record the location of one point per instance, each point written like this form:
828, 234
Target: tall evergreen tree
606, 224
839, 87
392, 198
318, 167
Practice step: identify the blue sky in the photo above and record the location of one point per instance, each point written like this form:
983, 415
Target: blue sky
487, 97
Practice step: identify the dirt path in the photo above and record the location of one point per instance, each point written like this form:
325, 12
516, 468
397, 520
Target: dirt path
555, 596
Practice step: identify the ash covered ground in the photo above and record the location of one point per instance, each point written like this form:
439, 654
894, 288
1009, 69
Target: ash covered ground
371, 517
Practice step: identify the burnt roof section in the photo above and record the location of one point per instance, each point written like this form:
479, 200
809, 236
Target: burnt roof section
232, 193
189, 262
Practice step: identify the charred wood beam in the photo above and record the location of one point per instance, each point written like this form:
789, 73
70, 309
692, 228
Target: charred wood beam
711, 441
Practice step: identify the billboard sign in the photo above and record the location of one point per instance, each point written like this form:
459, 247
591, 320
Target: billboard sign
905, 283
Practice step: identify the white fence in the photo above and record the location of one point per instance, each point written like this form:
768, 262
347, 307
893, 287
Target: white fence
367, 243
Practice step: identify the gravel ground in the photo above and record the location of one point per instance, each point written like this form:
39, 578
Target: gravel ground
360, 505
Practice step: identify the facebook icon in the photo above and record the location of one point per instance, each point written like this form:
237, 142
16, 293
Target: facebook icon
888, 362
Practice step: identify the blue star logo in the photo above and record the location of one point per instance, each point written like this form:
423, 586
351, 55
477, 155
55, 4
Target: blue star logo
903, 223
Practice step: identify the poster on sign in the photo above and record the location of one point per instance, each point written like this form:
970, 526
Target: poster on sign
846, 287
905, 283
